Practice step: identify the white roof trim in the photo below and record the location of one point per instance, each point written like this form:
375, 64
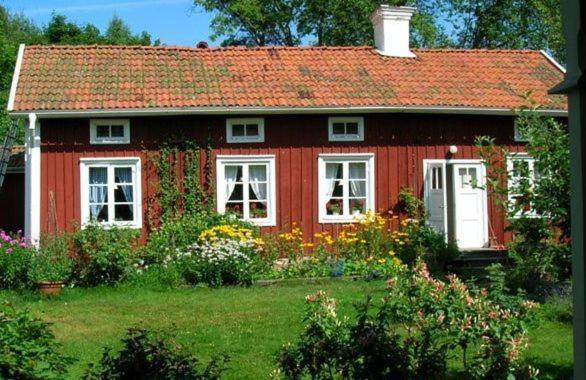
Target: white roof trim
14, 85
276, 110
553, 61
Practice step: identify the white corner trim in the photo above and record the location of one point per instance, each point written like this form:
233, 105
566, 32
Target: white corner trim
553, 61
135, 163
14, 85
268, 159
32, 190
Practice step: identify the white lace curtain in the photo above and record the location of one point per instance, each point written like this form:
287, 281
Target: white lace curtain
98, 190
358, 187
257, 176
231, 174
331, 174
124, 175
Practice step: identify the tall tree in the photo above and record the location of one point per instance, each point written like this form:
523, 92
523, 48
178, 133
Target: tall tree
507, 24
324, 22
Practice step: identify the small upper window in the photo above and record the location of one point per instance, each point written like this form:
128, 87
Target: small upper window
245, 130
110, 131
346, 129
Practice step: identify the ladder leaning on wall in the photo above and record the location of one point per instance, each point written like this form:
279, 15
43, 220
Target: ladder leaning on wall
6, 150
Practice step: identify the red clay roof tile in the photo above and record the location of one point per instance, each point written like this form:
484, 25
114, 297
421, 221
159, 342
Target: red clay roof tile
120, 77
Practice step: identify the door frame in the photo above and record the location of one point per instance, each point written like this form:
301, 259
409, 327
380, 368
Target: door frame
445, 163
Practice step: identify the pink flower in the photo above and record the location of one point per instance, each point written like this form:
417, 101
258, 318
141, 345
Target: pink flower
9, 250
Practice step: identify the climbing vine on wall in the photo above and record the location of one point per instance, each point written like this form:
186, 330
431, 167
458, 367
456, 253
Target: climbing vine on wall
182, 187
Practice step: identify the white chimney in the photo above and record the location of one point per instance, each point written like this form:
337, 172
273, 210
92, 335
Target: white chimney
391, 30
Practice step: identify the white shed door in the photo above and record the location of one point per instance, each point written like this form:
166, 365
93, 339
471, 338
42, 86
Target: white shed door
469, 199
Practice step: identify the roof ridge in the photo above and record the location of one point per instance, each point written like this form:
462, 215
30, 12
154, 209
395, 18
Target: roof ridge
268, 48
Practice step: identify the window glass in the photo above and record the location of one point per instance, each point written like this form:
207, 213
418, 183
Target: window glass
247, 190
338, 129
111, 194
346, 188
103, 131
352, 128
117, 130
252, 130
238, 130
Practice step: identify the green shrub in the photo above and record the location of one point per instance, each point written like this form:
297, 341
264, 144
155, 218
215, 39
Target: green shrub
179, 233
538, 258
28, 349
148, 355
419, 325
157, 276
15, 261
102, 255
52, 262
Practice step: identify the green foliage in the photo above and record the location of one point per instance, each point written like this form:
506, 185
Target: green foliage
412, 205
540, 248
28, 349
180, 233
418, 326
15, 261
180, 192
102, 255
150, 355
288, 22
52, 262
506, 24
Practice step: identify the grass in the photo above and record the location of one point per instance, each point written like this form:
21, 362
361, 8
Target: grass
249, 324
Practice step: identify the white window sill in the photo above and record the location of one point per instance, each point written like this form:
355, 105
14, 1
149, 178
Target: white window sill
340, 219
107, 226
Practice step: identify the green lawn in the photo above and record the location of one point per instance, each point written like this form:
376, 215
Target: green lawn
249, 324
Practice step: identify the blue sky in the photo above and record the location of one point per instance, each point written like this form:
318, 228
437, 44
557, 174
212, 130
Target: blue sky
174, 22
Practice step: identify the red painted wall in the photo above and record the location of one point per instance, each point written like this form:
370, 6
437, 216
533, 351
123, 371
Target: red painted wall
399, 142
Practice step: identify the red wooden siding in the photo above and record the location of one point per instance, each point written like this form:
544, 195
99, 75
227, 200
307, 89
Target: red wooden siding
400, 143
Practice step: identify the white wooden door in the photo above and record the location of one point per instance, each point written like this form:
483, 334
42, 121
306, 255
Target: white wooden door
470, 205
435, 195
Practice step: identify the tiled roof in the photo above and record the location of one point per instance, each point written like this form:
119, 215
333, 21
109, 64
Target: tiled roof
118, 77
16, 158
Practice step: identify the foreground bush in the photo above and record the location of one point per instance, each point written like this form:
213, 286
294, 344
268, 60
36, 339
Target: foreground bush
148, 355
412, 334
28, 349
102, 255
15, 261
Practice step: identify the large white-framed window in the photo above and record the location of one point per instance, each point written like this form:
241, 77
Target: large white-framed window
246, 187
346, 186
109, 131
346, 128
111, 191
521, 175
245, 130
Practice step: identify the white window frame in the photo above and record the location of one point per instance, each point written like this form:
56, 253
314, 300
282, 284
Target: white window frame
346, 137
111, 163
345, 159
245, 139
94, 139
531, 166
246, 160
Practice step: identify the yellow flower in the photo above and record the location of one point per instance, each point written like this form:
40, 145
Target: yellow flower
391, 253
382, 261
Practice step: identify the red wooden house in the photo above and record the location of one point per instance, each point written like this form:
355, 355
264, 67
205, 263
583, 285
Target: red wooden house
312, 135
